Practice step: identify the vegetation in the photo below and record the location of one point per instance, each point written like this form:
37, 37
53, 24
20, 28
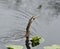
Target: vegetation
14, 47
52, 47
34, 40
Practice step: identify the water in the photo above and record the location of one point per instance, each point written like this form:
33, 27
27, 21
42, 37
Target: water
14, 16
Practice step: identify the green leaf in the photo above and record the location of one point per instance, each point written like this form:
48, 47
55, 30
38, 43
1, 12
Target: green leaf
36, 40
52, 47
14, 47
35, 44
9, 48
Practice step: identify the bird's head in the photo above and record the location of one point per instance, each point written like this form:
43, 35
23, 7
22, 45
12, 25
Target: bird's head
34, 17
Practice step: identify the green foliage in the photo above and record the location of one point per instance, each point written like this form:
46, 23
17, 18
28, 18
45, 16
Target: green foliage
52, 47
10, 48
35, 41
14, 47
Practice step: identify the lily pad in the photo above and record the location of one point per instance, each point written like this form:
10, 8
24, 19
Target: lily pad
14, 47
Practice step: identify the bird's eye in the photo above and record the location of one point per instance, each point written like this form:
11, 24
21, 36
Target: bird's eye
33, 18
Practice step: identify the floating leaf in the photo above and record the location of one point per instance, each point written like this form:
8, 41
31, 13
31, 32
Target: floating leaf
52, 47
14, 47
36, 40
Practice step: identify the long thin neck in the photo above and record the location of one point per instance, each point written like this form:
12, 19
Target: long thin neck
29, 24
27, 33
